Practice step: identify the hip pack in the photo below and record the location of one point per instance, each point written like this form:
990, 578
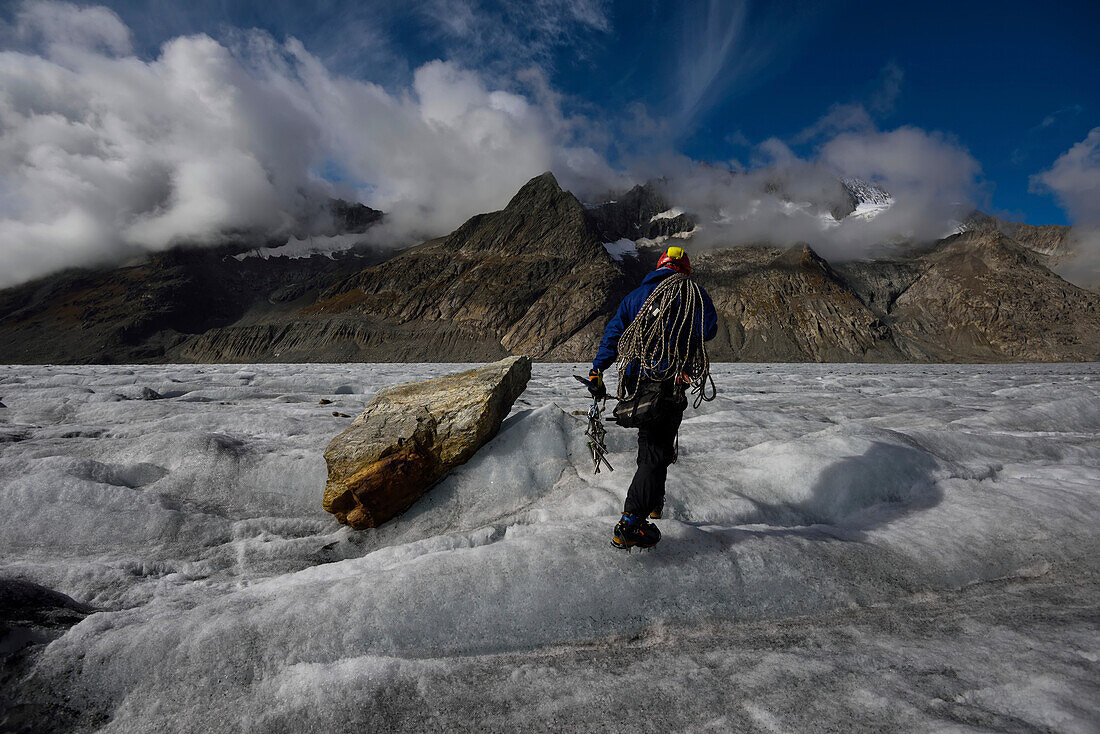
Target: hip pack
649, 401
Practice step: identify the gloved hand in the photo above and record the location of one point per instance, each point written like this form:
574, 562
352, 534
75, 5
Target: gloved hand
595, 385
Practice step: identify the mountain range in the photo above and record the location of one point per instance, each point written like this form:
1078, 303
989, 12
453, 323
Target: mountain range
542, 276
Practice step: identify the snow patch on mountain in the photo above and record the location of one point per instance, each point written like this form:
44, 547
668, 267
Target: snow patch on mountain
621, 248
667, 214
870, 202
661, 239
870, 210
297, 249
955, 227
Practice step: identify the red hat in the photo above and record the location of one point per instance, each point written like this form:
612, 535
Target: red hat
677, 259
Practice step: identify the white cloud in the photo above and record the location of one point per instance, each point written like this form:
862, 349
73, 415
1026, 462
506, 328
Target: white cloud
905, 158
784, 199
103, 154
858, 116
1059, 114
886, 93
738, 139
839, 118
65, 27
1075, 180
727, 47
509, 35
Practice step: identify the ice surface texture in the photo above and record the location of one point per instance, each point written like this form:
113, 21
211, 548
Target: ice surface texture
824, 530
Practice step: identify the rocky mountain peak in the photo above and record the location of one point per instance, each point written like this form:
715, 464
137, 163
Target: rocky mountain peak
864, 192
987, 245
802, 256
540, 188
1050, 241
532, 278
540, 218
351, 217
640, 213
540, 193
982, 296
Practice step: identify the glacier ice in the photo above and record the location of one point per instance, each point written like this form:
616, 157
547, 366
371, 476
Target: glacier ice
828, 517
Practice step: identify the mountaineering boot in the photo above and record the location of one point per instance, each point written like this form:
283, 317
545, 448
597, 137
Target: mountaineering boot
655, 513
635, 531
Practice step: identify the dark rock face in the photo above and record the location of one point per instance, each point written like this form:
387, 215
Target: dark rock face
984, 297
788, 305
534, 279
1049, 241
878, 283
352, 217
341, 337
634, 216
150, 312
529, 277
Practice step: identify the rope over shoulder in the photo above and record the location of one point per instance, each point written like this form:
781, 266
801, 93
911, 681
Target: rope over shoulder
666, 339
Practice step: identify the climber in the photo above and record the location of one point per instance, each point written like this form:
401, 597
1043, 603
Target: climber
657, 337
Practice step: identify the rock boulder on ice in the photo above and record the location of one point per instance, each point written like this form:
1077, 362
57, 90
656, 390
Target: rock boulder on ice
410, 435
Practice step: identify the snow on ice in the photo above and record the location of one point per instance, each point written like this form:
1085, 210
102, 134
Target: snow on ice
855, 547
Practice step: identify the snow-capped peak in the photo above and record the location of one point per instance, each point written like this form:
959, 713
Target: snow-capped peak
870, 200
867, 193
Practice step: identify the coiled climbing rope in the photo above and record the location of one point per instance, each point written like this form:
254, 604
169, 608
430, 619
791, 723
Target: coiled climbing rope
666, 339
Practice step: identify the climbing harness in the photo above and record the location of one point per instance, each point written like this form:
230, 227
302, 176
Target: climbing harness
666, 339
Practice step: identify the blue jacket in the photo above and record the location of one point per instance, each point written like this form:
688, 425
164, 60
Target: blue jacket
628, 309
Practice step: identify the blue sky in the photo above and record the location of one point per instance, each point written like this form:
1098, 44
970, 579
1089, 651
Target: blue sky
1013, 82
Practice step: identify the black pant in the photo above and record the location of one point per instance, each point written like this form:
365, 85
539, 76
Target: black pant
656, 450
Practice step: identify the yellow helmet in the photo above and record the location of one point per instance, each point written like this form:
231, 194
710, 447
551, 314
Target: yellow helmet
676, 258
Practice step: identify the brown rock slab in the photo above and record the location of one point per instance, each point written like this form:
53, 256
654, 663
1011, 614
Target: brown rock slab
411, 435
